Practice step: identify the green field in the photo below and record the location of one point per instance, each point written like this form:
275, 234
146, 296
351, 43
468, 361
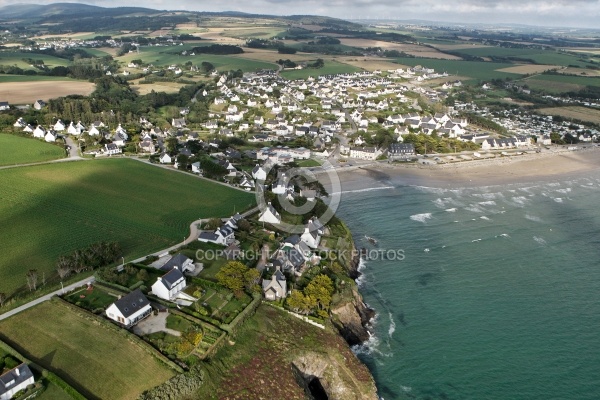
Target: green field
20, 150
161, 56
16, 58
330, 68
33, 78
549, 57
52, 392
478, 70
51, 210
574, 80
97, 361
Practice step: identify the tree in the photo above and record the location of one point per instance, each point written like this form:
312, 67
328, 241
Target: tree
32, 279
236, 277
320, 289
172, 145
300, 303
233, 276
2, 299
212, 224
64, 267
207, 67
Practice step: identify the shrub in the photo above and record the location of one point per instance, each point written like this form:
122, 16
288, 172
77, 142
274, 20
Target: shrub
182, 385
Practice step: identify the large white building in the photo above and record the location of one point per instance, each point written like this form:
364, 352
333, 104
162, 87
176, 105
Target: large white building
365, 153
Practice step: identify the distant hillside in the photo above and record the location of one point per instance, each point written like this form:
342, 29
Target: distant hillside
66, 10
75, 16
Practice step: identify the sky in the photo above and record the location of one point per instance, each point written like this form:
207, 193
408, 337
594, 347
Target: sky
566, 13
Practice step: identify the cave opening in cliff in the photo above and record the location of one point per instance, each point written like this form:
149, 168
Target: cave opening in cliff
317, 391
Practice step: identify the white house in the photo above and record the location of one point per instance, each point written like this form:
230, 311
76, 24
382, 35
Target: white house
50, 136
39, 132
129, 309
258, 173
270, 215
365, 153
224, 235
15, 380
312, 233
169, 285
165, 158
59, 126
276, 287
111, 149
196, 168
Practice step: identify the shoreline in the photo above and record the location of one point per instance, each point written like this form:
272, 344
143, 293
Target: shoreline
529, 168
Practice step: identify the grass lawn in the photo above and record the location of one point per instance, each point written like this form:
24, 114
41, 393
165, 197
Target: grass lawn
178, 323
331, 67
91, 299
309, 163
558, 83
97, 361
20, 150
549, 57
54, 209
52, 392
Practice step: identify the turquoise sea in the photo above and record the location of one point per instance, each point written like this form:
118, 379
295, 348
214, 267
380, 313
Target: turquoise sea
498, 295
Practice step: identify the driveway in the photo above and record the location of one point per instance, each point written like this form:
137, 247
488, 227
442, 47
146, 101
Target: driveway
154, 323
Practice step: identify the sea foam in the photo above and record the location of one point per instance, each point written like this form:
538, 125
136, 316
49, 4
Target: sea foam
421, 217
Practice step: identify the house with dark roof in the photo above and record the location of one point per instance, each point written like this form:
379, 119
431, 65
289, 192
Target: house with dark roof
180, 262
15, 380
169, 285
276, 287
270, 215
129, 309
401, 150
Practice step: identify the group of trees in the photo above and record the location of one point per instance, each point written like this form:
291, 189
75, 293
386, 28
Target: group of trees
238, 278
315, 298
218, 49
435, 144
94, 256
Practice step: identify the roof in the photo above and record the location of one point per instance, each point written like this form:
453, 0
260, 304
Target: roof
176, 261
131, 303
14, 377
171, 278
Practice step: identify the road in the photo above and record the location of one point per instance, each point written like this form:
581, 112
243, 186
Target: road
46, 297
193, 236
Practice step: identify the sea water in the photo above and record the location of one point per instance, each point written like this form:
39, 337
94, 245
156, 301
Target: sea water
497, 295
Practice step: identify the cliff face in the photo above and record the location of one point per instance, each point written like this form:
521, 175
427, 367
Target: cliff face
351, 317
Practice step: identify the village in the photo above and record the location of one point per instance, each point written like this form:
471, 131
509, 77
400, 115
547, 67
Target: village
184, 302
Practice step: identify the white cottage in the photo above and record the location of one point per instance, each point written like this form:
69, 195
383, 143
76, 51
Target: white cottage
129, 309
15, 380
169, 285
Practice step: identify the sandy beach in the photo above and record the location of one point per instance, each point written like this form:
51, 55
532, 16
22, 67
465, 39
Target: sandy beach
528, 168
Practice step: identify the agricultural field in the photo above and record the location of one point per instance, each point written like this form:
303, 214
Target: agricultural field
161, 56
54, 209
85, 354
561, 83
15, 58
412, 49
578, 113
549, 57
368, 63
27, 92
476, 70
145, 88
21, 150
331, 67
528, 69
